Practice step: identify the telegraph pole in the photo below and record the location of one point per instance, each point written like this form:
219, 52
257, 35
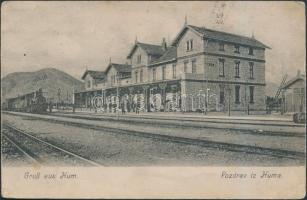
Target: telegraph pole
73, 99
59, 97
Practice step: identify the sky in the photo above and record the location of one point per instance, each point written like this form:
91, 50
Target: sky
75, 36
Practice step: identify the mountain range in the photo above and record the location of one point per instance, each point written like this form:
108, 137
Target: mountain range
49, 79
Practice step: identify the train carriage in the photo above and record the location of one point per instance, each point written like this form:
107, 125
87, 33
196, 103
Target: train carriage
33, 102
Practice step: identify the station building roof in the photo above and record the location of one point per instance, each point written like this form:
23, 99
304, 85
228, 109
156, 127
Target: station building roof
94, 74
220, 36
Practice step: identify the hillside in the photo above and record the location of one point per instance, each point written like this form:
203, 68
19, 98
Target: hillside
49, 79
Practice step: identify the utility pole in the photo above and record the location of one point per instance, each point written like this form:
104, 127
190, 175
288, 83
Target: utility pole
59, 97
73, 99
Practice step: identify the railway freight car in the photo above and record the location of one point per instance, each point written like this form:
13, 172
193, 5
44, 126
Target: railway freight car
33, 102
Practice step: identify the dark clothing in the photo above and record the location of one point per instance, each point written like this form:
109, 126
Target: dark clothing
123, 109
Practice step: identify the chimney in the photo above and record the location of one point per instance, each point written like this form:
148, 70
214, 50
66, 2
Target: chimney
164, 46
185, 20
136, 40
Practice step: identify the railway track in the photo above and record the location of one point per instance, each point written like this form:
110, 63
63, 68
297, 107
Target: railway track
17, 150
42, 152
202, 143
223, 146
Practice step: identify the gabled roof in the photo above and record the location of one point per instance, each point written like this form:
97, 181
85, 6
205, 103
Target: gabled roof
94, 74
150, 49
294, 80
121, 68
169, 55
221, 36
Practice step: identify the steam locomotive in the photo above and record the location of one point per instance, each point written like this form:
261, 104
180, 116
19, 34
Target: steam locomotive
33, 102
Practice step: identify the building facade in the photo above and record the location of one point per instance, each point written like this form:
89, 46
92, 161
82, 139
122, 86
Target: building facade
201, 70
294, 94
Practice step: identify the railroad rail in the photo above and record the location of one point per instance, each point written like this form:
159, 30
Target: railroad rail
201, 142
280, 153
42, 147
24, 152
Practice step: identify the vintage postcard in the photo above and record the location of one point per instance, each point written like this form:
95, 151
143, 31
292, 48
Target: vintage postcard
164, 100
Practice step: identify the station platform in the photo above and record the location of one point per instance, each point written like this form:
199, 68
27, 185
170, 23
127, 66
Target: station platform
209, 115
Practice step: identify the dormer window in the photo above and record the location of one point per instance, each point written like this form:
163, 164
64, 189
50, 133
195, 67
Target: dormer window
163, 72
154, 74
190, 45
136, 76
174, 70
237, 49
251, 51
141, 75
221, 46
139, 58
88, 84
113, 79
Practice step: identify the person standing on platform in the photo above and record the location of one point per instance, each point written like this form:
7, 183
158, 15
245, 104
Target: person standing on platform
137, 109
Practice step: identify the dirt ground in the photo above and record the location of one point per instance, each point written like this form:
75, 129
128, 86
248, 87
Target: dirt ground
113, 149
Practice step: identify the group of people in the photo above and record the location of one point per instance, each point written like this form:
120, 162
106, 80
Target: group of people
134, 107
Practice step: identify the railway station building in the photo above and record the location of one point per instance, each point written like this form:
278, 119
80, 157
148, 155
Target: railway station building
201, 70
294, 94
